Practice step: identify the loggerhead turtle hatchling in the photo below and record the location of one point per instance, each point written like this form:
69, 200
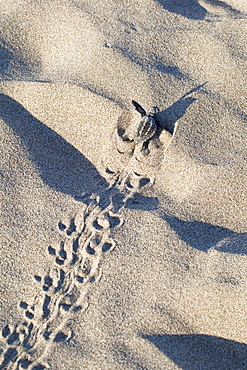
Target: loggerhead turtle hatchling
145, 128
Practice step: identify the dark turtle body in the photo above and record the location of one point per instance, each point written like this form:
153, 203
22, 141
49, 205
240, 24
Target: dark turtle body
146, 127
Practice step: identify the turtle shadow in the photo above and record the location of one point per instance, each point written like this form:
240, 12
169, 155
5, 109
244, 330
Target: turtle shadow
168, 117
199, 351
187, 8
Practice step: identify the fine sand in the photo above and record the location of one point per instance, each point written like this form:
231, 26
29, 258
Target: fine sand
114, 257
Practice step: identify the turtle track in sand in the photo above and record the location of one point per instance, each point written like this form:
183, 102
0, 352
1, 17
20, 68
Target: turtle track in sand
78, 260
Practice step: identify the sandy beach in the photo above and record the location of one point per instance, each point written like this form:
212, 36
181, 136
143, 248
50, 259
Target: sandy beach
119, 254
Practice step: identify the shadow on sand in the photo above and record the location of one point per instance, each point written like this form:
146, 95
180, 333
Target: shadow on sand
14, 65
199, 235
188, 8
192, 9
172, 114
169, 116
204, 352
67, 170
61, 165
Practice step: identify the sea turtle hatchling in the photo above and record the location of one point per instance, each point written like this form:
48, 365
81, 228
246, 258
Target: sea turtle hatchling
145, 128
133, 137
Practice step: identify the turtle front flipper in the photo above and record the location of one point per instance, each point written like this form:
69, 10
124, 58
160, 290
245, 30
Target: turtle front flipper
139, 108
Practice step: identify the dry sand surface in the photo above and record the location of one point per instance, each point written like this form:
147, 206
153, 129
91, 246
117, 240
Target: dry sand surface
117, 255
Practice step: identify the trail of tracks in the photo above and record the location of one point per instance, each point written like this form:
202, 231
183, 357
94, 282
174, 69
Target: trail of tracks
77, 265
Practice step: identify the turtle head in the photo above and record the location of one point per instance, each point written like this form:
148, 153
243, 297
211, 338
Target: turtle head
153, 111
